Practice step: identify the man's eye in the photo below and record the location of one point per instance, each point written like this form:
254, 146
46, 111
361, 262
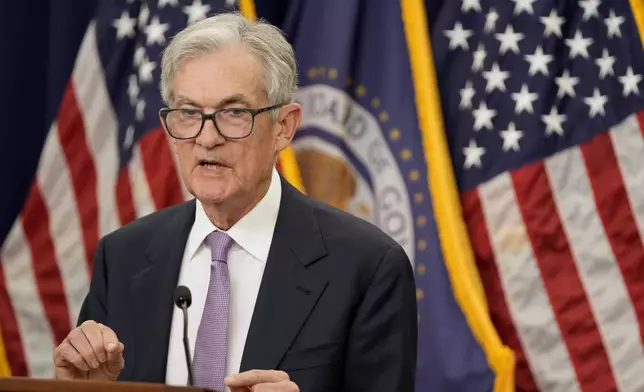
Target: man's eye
189, 113
236, 112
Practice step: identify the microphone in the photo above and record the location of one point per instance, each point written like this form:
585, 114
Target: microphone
183, 300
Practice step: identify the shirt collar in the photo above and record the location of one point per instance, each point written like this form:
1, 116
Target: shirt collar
253, 232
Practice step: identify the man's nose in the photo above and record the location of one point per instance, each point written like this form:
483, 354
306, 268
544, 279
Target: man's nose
210, 136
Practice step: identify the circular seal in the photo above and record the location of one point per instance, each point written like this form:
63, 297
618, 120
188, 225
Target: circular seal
345, 161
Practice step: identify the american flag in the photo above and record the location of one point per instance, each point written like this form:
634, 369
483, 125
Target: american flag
543, 104
106, 161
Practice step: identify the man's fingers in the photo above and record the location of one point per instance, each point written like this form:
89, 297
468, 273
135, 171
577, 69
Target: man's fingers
116, 366
66, 354
91, 351
253, 377
112, 346
94, 336
115, 354
79, 341
282, 386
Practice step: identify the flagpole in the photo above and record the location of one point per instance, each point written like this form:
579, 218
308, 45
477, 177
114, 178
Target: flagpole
5, 370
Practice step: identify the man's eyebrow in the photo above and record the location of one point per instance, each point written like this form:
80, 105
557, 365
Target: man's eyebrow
233, 99
237, 98
186, 101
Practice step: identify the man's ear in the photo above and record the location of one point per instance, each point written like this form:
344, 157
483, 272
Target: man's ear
288, 121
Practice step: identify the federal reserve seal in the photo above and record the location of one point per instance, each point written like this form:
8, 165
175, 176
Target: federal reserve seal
345, 161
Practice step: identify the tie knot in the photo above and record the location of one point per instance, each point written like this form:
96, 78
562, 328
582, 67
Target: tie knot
220, 243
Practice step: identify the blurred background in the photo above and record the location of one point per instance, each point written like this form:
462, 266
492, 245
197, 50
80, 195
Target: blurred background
500, 142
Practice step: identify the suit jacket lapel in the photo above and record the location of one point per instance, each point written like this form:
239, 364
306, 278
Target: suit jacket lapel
152, 285
288, 292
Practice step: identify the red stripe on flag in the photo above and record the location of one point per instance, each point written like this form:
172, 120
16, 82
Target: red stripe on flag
498, 309
124, 199
561, 279
617, 217
10, 332
160, 170
640, 120
48, 279
71, 132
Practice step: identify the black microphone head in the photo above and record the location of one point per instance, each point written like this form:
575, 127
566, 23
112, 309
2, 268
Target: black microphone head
182, 296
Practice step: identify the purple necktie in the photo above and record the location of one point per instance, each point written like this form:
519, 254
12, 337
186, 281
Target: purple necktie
210, 347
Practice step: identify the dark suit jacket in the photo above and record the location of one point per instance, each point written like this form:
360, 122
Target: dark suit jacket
336, 308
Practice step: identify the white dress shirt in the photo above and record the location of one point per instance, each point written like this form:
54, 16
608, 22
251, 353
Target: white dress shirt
252, 237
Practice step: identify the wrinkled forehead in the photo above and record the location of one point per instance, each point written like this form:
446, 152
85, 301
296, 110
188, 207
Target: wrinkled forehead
229, 74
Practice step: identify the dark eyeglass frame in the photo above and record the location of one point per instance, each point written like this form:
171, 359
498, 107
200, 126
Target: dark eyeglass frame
163, 113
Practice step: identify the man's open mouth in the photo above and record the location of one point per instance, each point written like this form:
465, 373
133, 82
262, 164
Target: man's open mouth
206, 163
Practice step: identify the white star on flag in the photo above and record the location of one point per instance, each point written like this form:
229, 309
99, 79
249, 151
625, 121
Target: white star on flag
554, 122
566, 84
139, 55
144, 14
578, 45
124, 26
613, 23
129, 137
145, 70
473, 154
511, 137
490, 20
133, 89
479, 58
458, 37
172, 3
590, 8
538, 62
524, 99
630, 81
140, 110
471, 5
495, 78
605, 64
155, 31
483, 117
196, 11
596, 103
467, 93
552, 24
509, 40
523, 6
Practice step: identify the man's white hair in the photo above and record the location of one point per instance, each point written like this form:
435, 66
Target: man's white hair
262, 39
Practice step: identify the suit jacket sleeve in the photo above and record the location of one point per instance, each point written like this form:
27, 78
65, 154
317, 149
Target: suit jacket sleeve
382, 348
94, 306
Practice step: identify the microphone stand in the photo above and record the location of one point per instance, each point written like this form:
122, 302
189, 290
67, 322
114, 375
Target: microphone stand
186, 345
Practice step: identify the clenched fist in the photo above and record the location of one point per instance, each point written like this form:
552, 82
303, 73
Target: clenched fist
90, 352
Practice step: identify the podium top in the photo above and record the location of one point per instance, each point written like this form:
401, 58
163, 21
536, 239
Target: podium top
25, 384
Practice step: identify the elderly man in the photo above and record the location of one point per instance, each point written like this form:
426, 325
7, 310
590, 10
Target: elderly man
288, 294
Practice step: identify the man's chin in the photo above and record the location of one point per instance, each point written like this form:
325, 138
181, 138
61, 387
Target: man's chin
212, 190
211, 198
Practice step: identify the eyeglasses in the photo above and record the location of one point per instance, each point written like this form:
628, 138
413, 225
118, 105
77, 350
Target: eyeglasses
231, 123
